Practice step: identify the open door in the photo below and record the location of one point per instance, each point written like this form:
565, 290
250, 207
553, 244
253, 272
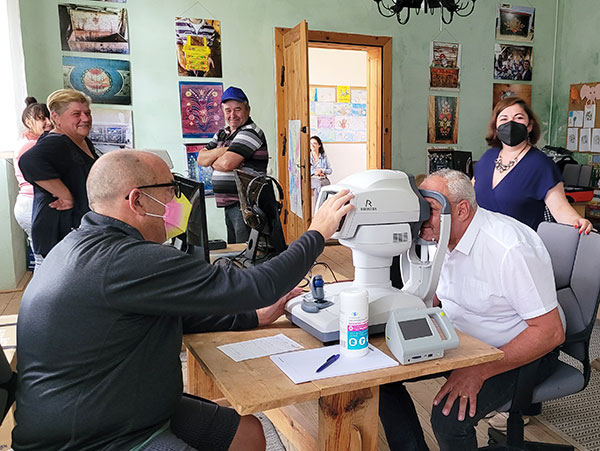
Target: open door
291, 57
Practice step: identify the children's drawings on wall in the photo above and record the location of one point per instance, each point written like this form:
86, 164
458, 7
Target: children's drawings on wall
582, 120
343, 120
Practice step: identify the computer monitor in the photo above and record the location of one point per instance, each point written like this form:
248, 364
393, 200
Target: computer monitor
195, 239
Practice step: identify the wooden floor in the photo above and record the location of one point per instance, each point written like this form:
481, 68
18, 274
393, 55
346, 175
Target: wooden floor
339, 259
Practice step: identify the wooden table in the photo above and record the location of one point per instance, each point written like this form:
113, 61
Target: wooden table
347, 405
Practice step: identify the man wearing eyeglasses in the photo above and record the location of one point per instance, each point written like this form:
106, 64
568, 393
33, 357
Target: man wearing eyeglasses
101, 323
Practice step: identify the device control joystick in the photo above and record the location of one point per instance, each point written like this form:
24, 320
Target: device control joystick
316, 288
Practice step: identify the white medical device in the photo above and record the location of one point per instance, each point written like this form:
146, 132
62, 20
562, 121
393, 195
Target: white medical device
417, 335
388, 214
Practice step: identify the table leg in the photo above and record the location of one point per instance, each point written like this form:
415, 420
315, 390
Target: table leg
199, 384
349, 420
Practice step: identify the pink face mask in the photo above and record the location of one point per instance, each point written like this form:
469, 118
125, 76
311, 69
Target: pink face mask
176, 215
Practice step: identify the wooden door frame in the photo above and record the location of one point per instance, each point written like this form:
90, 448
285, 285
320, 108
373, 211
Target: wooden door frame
381, 110
379, 49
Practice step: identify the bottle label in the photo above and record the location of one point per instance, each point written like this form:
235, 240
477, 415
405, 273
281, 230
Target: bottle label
358, 335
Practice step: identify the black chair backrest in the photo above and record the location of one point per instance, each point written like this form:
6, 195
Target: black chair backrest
575, 260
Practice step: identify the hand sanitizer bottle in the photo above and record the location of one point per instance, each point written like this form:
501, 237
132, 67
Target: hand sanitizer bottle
354, 322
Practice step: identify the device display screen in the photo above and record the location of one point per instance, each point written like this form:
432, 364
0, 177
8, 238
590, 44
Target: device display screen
415, 328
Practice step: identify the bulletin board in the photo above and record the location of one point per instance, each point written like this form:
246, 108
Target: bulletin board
583, 120
338, 114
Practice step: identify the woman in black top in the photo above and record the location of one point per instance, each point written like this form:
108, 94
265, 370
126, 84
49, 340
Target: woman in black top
58, 166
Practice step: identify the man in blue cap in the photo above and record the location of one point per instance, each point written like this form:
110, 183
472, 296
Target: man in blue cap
241, 144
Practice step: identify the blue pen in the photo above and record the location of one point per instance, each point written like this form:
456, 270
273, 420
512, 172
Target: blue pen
328, 362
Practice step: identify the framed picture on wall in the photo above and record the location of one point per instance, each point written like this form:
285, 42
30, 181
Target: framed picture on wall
198, 43
93, 29
502, 91
104, 80
195, 172
515, 23
513, 62
442, 120
201, 113
444, 65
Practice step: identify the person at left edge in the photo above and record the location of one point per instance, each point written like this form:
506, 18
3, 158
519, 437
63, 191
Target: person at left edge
57, 167
100, 326
241, 144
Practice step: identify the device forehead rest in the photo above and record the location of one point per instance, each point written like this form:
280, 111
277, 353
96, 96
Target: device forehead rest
439, 197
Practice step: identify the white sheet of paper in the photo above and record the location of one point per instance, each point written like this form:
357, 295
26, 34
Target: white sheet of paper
301, 366
259, 347
578, 118
571, 120
572, 139
596, 140
589, 116
585, 138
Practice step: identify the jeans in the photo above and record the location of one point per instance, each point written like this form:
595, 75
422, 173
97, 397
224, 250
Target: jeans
237, 230
401, 423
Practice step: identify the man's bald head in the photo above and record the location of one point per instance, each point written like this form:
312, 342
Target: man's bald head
116, 173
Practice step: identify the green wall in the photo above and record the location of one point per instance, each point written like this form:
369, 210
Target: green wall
578, 57
248, 62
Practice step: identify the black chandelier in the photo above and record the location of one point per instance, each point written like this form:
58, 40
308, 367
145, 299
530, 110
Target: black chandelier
448, 8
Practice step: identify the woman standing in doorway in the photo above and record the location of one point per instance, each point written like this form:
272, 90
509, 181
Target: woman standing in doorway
319, 167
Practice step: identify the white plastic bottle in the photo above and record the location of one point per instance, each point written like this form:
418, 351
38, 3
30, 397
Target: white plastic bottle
354, 322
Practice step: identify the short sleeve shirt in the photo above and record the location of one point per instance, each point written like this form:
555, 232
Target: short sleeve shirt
521, 193
55, 156
498, 276
250, 142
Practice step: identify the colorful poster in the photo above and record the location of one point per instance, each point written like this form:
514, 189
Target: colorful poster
343, 94
513, 62
515, 23
339, 121
295, 180
443, 77
111, 129
445, 54
198, 43
325, 121
326, 94
93, 29
442, 126
502, 91
196, 172
201, 114
342, 109
358, 96
359, 109
105, 81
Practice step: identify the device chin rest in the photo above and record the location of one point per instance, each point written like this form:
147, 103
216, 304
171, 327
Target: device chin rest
311, 305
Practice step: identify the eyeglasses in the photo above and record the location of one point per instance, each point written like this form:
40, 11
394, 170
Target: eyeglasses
175, 184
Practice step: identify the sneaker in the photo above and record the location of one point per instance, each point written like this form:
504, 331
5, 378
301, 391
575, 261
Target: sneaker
499, 420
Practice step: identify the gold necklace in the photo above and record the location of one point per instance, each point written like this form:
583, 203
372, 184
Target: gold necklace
501, 167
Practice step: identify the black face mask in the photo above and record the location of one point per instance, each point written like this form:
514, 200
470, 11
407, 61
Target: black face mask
512, 133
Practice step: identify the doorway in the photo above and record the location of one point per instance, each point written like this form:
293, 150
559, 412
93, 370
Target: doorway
293, 111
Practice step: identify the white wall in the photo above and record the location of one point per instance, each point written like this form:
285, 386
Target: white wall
346, 68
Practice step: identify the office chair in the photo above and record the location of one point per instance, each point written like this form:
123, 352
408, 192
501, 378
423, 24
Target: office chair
8, 385
575, 263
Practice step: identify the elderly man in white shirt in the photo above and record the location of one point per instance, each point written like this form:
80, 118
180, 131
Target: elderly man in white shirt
497, 285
